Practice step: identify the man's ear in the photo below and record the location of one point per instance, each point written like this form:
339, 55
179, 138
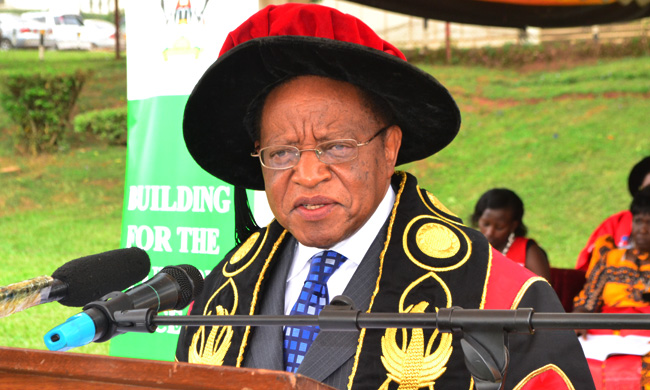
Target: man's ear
392, 143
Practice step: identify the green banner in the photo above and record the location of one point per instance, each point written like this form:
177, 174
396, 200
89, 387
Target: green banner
173, 209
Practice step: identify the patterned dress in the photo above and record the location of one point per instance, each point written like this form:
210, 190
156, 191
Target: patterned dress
618, 282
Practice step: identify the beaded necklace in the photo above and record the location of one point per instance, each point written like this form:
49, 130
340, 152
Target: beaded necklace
511, 239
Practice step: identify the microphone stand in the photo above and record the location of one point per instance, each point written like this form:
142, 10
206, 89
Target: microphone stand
483, 333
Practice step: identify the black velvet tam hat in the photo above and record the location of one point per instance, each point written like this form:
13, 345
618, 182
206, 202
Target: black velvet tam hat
280, 42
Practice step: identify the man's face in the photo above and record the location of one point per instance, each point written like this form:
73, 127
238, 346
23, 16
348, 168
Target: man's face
323, 204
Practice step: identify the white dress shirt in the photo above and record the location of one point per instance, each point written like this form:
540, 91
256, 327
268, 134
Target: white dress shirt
354, 248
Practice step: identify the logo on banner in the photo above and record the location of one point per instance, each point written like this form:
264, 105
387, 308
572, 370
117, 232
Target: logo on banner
182, 19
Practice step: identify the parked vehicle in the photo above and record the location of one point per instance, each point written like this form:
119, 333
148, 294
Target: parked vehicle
68, 30
101, 34
16, 32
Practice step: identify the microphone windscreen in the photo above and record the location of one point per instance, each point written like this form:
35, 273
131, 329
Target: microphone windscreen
90, 278
195, 277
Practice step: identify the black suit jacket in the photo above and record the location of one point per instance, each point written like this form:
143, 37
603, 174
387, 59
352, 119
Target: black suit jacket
330, 357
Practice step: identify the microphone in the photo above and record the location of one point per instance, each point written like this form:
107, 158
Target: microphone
174, 287
79, 281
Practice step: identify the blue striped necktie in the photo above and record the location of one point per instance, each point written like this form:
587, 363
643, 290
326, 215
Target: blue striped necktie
312, 299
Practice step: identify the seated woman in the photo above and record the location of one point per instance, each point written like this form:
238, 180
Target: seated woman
620, 279
619, 282
618, 225
498, 215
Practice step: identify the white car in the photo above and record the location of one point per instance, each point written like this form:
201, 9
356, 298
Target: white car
101, 34
68, 30
16, 32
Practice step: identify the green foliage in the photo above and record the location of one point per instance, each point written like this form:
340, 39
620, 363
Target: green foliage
109, 124
41, 104
58, 207
105, 89
514, 55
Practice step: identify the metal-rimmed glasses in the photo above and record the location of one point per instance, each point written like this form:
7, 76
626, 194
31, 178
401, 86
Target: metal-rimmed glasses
331, 152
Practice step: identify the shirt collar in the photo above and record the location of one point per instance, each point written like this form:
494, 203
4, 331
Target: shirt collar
355, 246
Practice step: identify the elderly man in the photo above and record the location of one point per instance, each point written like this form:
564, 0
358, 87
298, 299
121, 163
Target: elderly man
314, 108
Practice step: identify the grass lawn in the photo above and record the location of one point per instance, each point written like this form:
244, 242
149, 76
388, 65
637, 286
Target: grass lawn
59, 207
566, 150
564, 140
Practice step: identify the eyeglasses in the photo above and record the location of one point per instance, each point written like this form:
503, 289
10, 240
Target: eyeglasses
331, 152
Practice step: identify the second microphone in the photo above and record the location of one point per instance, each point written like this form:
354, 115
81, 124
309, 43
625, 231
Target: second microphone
174, 287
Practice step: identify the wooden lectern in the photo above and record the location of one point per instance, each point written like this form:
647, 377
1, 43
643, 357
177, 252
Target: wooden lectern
45, 370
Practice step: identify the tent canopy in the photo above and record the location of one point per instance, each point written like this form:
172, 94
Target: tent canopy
520, 13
